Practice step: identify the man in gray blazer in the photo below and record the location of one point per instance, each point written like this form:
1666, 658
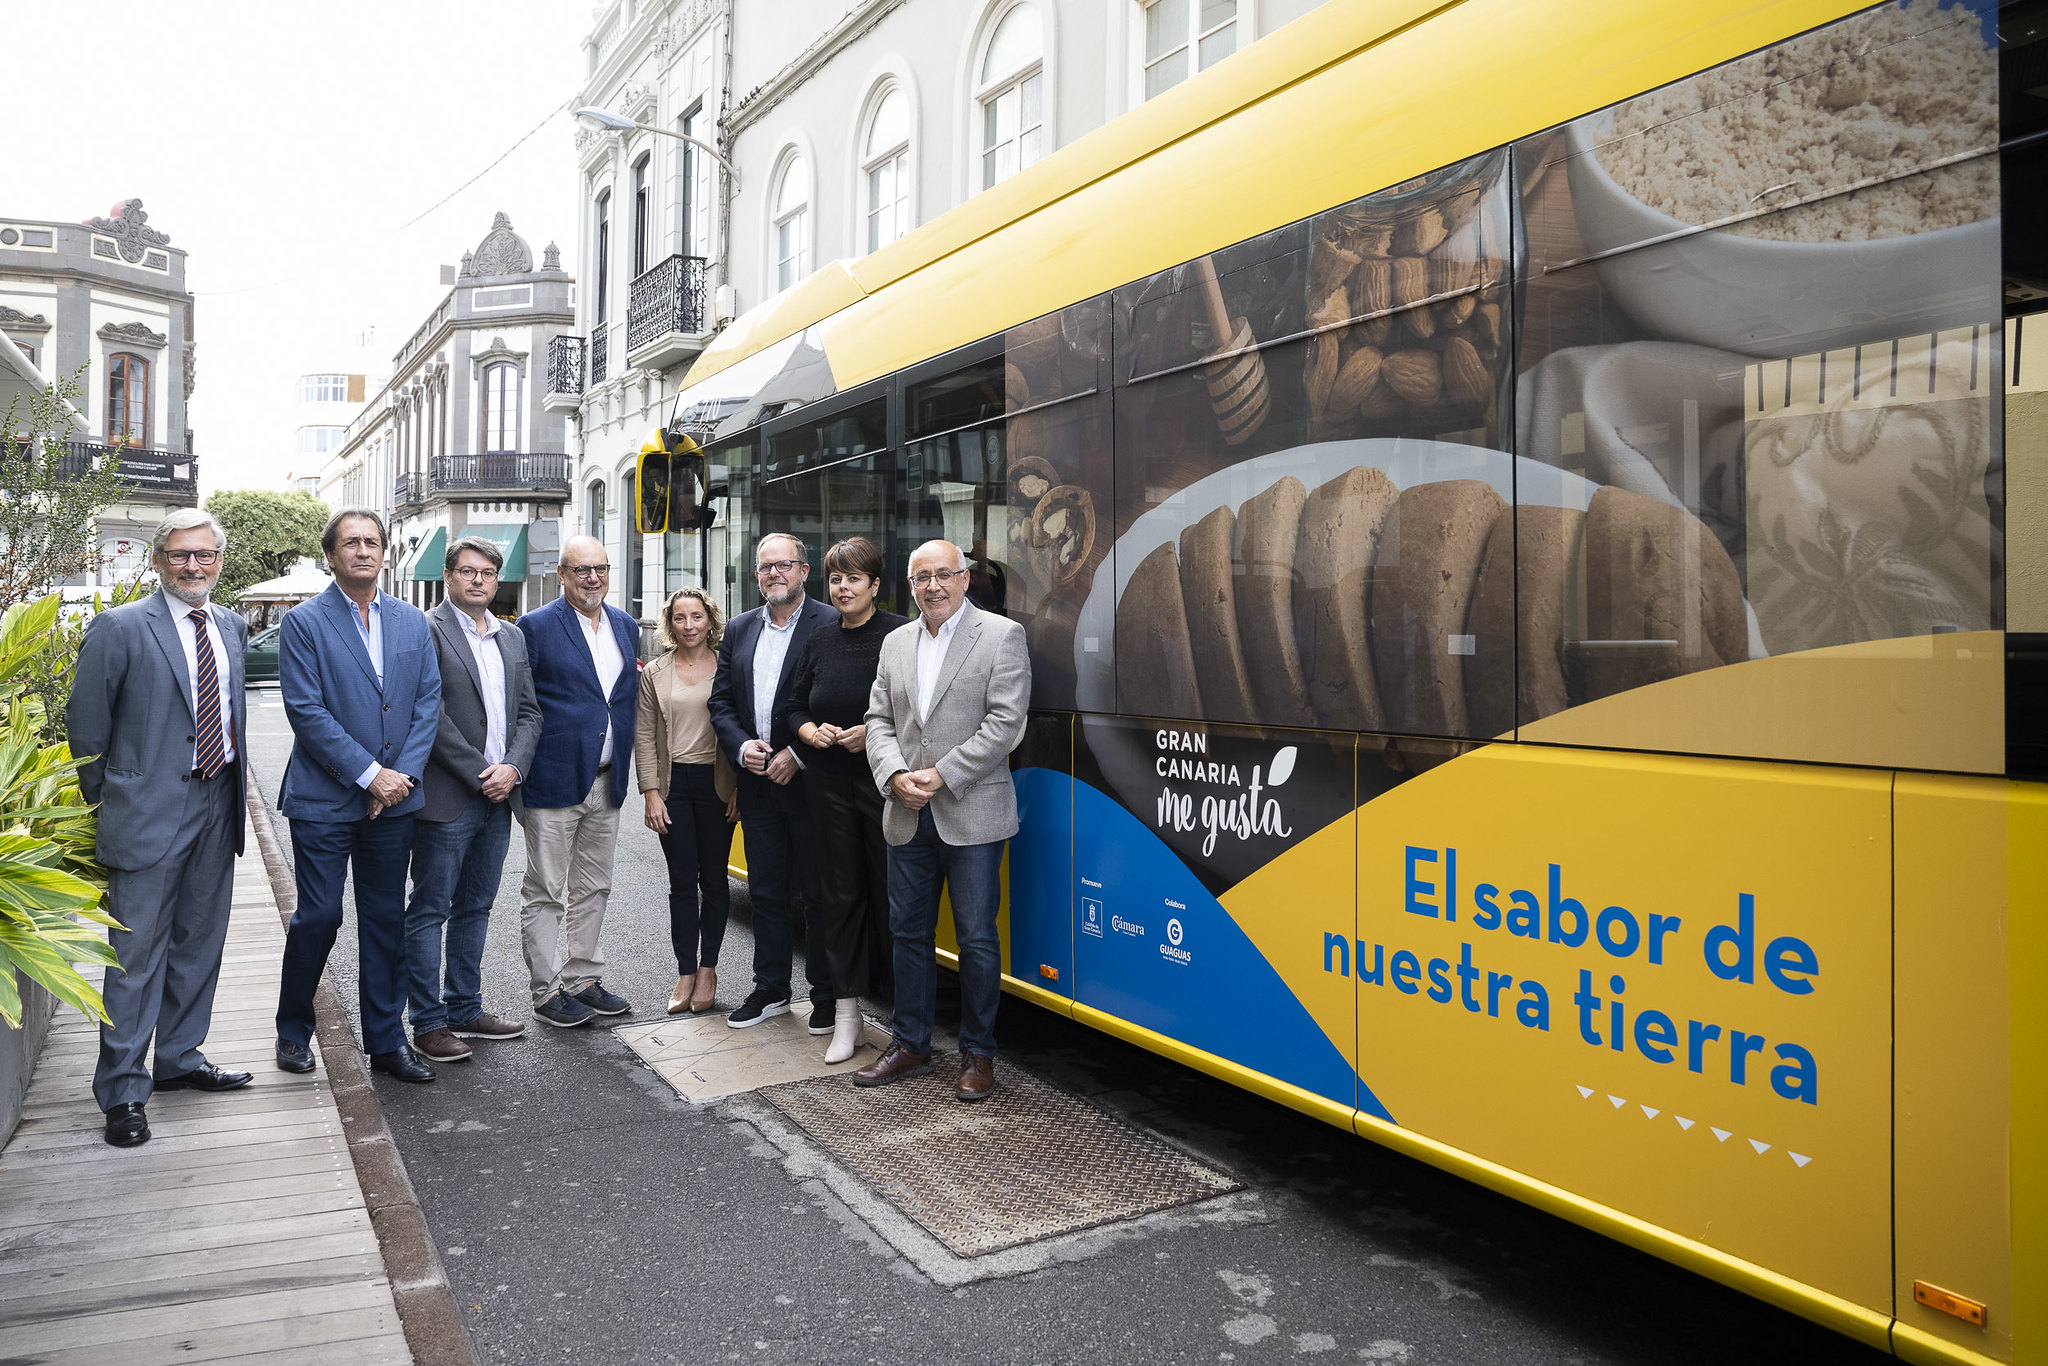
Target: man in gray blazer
948, 706
490, 724
157, 701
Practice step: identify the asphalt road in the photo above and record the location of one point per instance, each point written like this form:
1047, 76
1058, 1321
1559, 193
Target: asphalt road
587, 1215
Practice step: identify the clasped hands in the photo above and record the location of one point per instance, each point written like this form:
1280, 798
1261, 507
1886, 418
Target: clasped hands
778, 766
387, 789
823, 735
915, 788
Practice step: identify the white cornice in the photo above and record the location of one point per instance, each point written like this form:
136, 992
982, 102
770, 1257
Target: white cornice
756, 103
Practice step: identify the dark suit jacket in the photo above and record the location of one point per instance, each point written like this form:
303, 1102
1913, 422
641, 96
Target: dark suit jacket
342, 718
732, 689
573, 711
459, 740
131, 709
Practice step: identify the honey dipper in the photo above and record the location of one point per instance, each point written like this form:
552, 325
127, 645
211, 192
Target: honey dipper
1237, 382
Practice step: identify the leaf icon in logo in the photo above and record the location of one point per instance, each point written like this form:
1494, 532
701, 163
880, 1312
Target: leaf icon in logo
1283, 767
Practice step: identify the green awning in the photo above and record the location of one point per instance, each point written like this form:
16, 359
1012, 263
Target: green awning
510, 538
426, 566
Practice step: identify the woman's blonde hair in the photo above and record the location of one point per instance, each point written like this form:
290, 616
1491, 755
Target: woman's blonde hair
667, 626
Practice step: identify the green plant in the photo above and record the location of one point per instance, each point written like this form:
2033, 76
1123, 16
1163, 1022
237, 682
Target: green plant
268, 533
51, 493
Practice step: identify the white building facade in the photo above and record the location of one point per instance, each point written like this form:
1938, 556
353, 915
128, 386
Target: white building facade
848, 126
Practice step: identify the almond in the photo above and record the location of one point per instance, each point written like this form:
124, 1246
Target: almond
1355, 379
1322, 373
1015, 391
1373, 239
1381, 402
1335, 309
1420, 322
1416, 376
1466, 377
1486, 322
1375, 331
1372, 284
1460, 309
1328, 267
1411, 280
1422, 234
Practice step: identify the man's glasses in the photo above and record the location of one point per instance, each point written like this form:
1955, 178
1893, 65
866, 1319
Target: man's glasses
588, 573
474, 575
181, 558
776, 566
938, 576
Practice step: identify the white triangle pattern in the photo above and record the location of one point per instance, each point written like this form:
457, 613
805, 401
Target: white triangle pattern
1619, 1101
1798, 1159
1723, 1134
1651, 1113
1760, 1146
1685, 1125
1585, 1093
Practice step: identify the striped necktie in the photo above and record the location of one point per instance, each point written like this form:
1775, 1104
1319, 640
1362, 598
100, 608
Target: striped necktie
210, 754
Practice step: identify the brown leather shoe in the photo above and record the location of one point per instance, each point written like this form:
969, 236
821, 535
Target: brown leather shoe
896, 1063
489, 1026
977, 1077
440, 1045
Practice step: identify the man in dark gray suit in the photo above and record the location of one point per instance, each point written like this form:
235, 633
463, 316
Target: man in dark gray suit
490, 724
157, 701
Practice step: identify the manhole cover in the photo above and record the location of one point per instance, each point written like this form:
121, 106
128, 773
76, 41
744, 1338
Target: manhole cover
1028, 1163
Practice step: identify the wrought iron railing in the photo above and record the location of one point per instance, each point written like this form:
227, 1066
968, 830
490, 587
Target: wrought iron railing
525, 471
565, 365
600, 352
408, 489
668, 297
157, 473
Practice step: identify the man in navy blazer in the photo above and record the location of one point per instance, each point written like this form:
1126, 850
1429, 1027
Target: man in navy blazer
585, 655
756, 661
362, 691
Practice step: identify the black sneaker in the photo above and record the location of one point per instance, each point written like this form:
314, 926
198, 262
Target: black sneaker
759, 1006
562, 1011
602, 1001
824, 1016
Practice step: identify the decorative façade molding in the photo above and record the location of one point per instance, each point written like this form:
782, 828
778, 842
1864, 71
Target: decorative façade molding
133, 334
128, 224
17, 321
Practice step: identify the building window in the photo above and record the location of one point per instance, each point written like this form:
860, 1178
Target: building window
323, 388
501, 407
885, 167
687, 197
597, 511
319, 440
604, 253
27, 350
792, 200
640, 217
1010, 95
128, 399
1178, 30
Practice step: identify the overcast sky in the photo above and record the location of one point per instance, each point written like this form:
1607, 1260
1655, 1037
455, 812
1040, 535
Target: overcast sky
280, 145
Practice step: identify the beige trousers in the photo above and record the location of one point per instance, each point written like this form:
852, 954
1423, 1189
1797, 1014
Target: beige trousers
562, 897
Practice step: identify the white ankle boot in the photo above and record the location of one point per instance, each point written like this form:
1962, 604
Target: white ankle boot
845, 1030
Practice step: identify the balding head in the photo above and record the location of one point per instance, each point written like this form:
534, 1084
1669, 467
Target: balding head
938, 581
584, 570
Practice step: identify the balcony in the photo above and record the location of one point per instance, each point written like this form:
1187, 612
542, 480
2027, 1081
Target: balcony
566, 357
665, 314
506, 474
409, 491
158, 476
600, 352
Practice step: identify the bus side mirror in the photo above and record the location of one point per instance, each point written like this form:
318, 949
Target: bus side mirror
668, 485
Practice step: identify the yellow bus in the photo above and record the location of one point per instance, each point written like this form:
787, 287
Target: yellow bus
1528, 520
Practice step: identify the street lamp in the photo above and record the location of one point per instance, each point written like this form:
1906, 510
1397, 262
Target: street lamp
618, 123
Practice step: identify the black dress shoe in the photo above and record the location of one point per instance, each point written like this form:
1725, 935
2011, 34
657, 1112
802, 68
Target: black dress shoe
127, 1125
294, 1057
402, 1064
205, 1077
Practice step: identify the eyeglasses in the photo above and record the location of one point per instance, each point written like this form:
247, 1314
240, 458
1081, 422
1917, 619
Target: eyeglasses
776, 566
474, 575
182, 558
938, 576
589, 573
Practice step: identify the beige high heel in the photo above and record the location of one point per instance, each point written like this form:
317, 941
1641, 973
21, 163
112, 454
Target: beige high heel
705, 995
679, 999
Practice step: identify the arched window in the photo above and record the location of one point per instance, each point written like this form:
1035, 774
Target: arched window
501, 407
790, 248
885, 168
128, 399
1009, 95
597, 511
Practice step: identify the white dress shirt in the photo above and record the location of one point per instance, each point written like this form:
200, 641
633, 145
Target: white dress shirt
931, 658
771, 648
188, 636
604, 654
373, 641
490, 669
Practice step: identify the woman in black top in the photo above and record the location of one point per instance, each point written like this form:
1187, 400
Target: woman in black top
828, 708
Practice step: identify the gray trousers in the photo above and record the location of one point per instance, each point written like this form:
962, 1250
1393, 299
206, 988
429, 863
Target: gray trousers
562, 897
176, 914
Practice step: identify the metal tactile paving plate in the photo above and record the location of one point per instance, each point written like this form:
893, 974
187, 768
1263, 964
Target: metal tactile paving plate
1028, 1163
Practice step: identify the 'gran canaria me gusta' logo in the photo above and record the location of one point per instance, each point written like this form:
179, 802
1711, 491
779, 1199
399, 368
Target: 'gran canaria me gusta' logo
1251, 810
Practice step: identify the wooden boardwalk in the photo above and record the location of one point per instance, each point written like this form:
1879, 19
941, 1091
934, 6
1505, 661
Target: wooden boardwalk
237, 1233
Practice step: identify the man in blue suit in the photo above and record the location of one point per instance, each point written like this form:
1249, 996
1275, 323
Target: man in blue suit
585, 655
362, 691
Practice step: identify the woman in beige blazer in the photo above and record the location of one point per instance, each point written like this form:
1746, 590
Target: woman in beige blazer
690, 791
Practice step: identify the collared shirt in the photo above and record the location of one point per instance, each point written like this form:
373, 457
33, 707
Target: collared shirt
931, 658
188, 636
604, 654
373, 641
771, 648
490, 670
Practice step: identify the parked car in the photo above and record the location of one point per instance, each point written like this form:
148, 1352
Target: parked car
259, 657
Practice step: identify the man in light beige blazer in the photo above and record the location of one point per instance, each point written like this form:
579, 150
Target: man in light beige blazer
948, 706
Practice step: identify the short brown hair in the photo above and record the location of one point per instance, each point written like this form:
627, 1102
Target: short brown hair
855, 555
667, 626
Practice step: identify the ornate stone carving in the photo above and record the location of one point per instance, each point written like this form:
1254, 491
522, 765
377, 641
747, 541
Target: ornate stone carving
636, 102
23, 322
128, 224
191, 367
551, 257
133, 334
468, 264
502, 252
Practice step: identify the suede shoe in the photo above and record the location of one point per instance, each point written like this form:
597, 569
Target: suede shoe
602, 1001
294, 1057
489, 1026
758, 1006
896, 1063
401, 1064
440, 1045
977, 1077
127, 1125
205, 1077
564, 1011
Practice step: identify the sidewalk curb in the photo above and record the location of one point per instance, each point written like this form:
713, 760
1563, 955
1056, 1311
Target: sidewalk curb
434, 1331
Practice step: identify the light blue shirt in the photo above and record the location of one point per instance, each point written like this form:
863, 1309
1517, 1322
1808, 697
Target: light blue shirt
373, 641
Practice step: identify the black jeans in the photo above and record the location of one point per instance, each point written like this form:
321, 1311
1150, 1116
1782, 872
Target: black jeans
697, 845
853, 878
780, 852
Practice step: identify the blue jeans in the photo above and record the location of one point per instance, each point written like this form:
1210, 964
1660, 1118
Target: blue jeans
322, 854
971, 874
455, 869
779, 847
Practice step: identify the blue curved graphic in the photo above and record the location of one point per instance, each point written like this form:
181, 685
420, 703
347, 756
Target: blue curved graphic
1154, 947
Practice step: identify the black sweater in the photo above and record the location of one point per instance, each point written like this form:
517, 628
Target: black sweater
834, 675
